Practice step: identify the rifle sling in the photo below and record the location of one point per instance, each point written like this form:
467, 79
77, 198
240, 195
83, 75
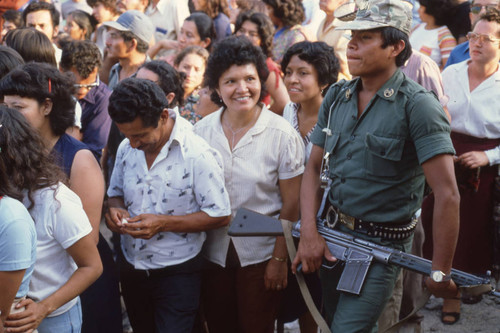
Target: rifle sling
320, 321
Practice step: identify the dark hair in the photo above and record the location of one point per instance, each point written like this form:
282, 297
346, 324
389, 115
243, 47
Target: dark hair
290, 12
193, 49
109, 4
204, 26
214, 7
142, 46
392, 36
134, 98
169, 80
9, 59
265, 28
25, 162
37, 6
491, 15
234, 50
32, 45
41, 81
84, 21
320, 56
14, 16
439, 9
81, 54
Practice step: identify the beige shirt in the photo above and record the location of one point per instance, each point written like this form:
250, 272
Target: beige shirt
338, 40
168, 17
271, 150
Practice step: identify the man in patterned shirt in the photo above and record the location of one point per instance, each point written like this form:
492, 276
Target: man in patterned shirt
167, 187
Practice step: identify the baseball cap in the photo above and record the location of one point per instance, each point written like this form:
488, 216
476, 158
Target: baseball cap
373, 14
136, 22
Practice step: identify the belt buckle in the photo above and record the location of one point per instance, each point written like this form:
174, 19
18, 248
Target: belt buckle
348, 221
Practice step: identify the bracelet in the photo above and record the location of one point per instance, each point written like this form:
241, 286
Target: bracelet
280, 259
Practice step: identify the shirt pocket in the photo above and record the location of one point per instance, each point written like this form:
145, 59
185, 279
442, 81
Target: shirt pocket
176, 198
383, 155
331, 144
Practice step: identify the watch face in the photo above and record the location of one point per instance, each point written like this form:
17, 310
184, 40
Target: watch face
436, 276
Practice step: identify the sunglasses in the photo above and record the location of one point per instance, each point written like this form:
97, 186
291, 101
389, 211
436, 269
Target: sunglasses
476, 9
90, 85
472, 37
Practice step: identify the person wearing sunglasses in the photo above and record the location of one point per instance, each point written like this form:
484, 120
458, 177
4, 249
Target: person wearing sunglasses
474, 104
478, 7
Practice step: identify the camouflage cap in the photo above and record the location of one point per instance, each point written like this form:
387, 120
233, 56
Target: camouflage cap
373, 14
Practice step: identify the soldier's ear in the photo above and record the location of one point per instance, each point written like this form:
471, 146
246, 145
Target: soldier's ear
398, 48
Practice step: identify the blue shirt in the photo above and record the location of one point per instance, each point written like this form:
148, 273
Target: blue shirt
65, 150
458, 54
17, 241
95, 119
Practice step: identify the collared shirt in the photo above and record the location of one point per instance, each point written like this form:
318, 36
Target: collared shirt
477, 112
186, 177
271, 150
167, 17
290, 114
423, 70
95, 118
114, 74
338, 40
458, 54
374, 160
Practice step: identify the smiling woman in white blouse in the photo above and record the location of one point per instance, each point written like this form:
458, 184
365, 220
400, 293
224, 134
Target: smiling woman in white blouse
472, 88
263, 162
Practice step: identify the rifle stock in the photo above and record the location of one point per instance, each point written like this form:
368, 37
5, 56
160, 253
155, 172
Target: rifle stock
357, 254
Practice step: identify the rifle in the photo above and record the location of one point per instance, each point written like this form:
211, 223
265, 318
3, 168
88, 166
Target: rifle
356, 254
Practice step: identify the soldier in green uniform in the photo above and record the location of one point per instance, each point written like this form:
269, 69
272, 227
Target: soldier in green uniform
378, 138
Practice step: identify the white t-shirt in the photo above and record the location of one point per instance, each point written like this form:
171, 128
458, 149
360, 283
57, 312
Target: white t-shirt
60, 222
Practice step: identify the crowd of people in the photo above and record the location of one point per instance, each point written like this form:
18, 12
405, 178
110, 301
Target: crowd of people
161, 119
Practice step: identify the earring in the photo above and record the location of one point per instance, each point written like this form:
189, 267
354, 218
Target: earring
220, 99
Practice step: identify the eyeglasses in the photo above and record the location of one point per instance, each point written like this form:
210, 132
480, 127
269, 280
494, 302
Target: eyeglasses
89, 86
472, 37
476, 9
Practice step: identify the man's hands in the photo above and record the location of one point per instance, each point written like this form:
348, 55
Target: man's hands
473, 159
144, 226
27, 320
114, 217
312, 249
275, 276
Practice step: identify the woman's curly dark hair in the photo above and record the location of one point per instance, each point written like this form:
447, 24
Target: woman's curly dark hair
320, 56
134, 98
234, 50
439, 9
265, 28
40, 82
169, 80
25, 162
290, 12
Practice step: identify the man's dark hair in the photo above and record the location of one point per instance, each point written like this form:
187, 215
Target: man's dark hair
40, 82
265, 28
290, 12
169, 80
109, 4
32, 45
439, 9
204, 26
392, 36
230, 51
134, 98
83, 55
9, 59
320, 56
37, 6
142, 46
14, 16
84, 21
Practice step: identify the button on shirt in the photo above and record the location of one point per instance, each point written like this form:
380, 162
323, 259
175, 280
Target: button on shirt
271, 150
186, 177
477, 112
374, 161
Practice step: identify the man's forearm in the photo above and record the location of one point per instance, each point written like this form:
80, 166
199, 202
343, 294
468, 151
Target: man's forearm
116, 202
195, 222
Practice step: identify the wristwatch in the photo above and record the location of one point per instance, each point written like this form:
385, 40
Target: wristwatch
438, 276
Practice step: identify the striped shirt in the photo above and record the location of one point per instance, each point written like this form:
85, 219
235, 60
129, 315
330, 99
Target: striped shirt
435, 43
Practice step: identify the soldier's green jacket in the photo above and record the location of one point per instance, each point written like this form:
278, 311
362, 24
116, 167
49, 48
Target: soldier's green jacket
375, 162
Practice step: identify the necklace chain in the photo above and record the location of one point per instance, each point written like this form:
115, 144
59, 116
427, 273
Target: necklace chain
235, 132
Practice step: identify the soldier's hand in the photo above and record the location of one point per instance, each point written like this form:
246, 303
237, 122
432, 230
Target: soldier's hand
144, 226
312, 249
446, 289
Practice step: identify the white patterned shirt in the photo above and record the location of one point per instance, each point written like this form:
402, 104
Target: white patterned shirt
186, 177
271, 150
